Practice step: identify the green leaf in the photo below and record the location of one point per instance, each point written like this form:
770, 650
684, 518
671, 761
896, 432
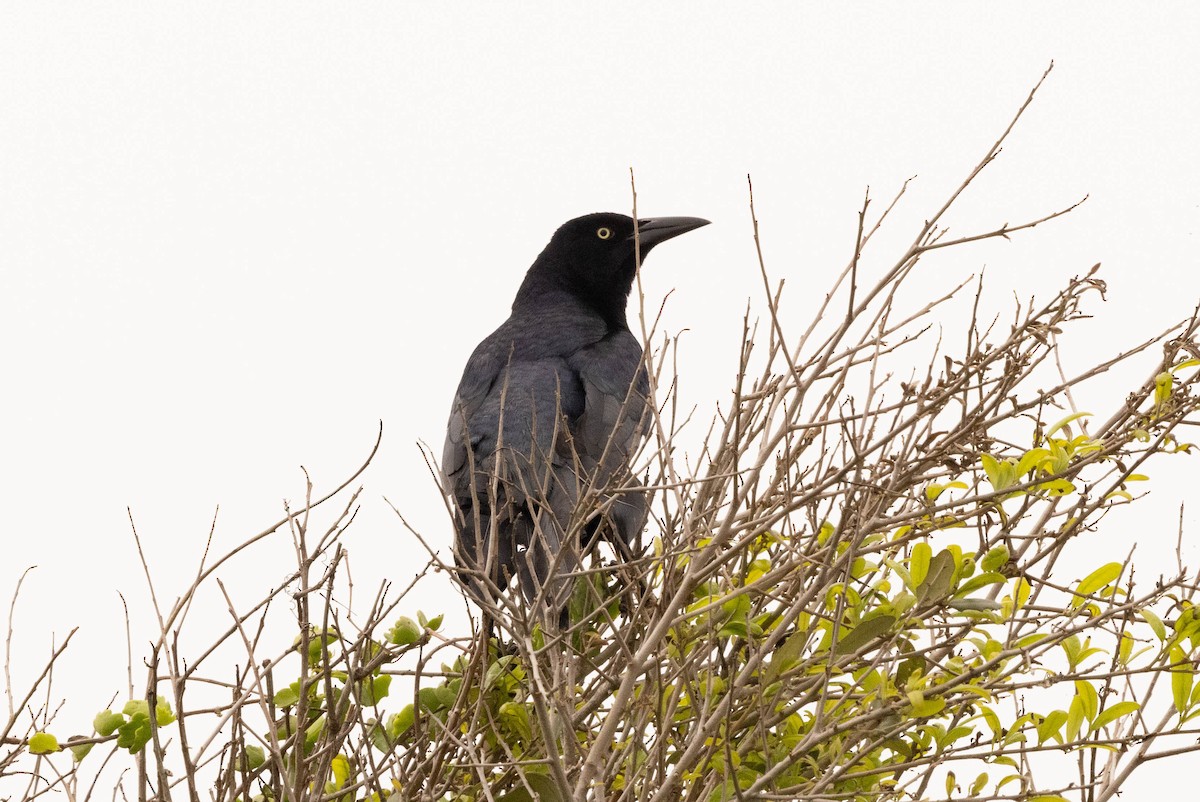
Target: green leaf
1194, 701
162, 713
252, 757
1060, 458
979, 784
430, 699
1023, 589
1072, 647
1010, 778
378, 735
785, 656
1051, 726
136, 707
982, 693
498, 671
446, 696
734, 629
106, 723
993, 721
992, 468
758, 569
1155, 622
1181, 681
515, 717
1162, 388
80, 751
1051, 431
374, 689
918, 564
1125, 649
1101, 577
134, 734
1086, 693
1031, 460
404, 632
286, 697
339, 767
1057, 487
864, 633
1074, 720
941, 576
977, 582
314, 731
318, 641
911, 666
1187, 623
1031, 639
995, 559
402, 721
1113, 713
921, 707
43, 743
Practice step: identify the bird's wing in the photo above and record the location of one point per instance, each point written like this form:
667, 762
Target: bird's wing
530, 393
478, 382
615, 401
614, 420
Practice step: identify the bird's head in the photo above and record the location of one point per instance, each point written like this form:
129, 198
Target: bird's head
594, 257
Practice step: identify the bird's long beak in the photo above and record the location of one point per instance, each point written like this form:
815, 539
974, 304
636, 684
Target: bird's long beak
654, 230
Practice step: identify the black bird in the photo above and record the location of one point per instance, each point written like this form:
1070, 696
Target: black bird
551, 406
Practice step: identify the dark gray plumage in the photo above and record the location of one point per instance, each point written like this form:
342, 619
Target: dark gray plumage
550, 406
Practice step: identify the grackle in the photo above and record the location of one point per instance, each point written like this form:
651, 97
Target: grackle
549, 409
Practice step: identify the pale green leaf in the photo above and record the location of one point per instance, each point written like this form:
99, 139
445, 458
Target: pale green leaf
43, 743
1181, 681
1051, 726
1155, 623
1113, 713
918, 564
991, 467
1089, 698
1101, 577
1076, 416
106, 723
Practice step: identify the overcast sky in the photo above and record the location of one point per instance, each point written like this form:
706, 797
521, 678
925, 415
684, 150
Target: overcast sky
234, 237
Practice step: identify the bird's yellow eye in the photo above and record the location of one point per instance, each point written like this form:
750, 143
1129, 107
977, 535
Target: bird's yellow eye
604, 233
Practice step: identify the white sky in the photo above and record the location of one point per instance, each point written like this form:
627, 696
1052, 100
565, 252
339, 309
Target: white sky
233, 237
